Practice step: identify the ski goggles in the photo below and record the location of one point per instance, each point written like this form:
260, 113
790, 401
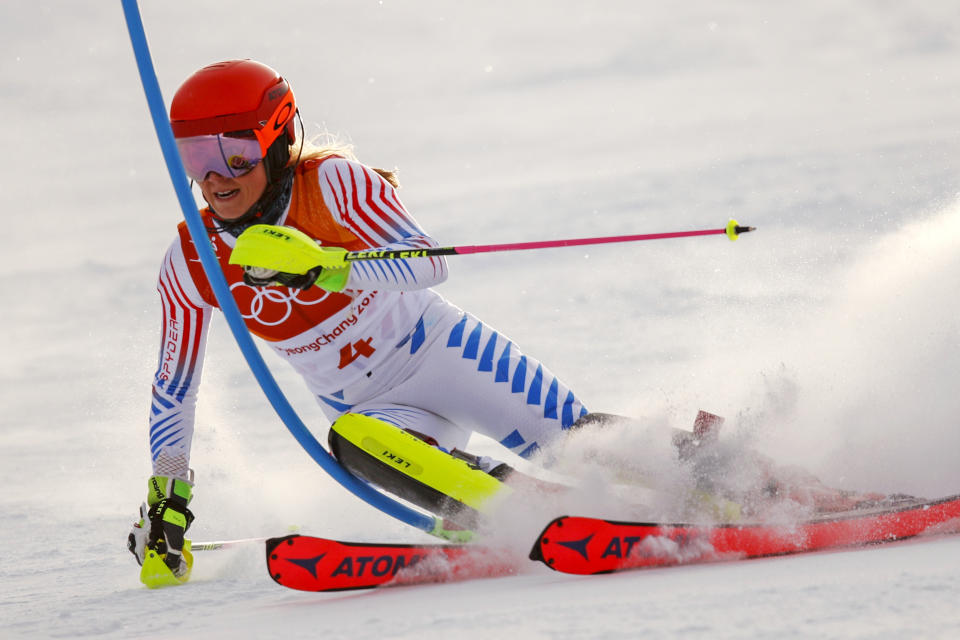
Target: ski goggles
230, 155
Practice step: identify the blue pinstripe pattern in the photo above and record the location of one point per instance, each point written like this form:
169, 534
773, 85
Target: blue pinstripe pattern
567, 418
543, 390
385, 270
513, 440
419, 335
520, 376
162, 430
397, 273
503, 365
162, 401
533, 395
342, 407
473, 343
361, 267
456, 334
550, 404
406, 265
486, 360
163, 436
156, 453
379, 264
529, 451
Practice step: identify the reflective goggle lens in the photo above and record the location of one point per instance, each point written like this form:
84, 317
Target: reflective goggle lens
228, 156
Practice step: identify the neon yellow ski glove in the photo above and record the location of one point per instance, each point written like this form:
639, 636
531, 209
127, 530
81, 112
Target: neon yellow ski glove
330, 279
164, 518
284, 249
286, 257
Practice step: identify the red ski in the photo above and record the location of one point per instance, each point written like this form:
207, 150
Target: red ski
592, 545
319, 564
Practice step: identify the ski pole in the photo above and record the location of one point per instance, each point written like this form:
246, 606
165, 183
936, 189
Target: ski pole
225, 544
732, 231
216, 545
292, 251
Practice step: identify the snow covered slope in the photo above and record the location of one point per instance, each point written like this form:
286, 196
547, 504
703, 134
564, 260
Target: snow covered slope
830, 338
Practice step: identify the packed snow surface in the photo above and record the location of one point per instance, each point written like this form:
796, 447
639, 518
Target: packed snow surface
830, 338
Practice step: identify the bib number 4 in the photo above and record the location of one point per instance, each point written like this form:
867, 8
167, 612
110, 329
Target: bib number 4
350, 352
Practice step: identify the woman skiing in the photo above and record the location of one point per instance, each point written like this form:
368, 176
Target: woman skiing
373, 342
387, 358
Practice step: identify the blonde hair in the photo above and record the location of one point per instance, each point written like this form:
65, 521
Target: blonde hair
324, 146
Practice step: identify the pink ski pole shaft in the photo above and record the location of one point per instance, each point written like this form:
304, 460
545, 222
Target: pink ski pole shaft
732, 231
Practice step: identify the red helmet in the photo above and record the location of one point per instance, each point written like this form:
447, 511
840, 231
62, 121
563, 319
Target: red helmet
236, 95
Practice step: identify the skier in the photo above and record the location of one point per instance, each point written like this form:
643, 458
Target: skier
385, 356
375, 344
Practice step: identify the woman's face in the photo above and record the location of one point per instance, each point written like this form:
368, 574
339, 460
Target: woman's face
233, 197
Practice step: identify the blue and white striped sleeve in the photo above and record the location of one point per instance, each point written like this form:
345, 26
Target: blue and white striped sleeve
186, 318
366, 204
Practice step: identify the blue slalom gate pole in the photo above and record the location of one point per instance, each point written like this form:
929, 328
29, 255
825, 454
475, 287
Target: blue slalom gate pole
221, 290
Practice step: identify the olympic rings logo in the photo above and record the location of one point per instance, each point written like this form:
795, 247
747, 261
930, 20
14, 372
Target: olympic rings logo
272, 306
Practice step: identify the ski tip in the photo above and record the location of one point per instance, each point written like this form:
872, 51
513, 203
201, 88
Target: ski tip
536, 553
271, 544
